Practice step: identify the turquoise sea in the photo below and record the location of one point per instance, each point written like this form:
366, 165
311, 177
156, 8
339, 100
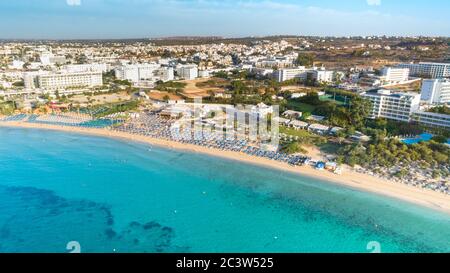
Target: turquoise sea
111, 195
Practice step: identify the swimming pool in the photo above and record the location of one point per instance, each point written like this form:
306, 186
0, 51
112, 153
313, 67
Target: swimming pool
420, 138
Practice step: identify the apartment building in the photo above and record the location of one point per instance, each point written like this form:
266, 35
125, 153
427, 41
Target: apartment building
435, 91
395, 106
432, 70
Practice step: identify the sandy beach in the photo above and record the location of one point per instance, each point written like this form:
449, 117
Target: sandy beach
349, 178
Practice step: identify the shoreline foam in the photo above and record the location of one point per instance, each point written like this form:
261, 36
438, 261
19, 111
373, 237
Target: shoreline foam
424, 197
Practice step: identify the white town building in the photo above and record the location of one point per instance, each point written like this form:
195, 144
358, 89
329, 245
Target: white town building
164, 74
50, 59
187, 72
140, 72
395, 106
286, 74
16, 64
51, 81
322, 76
432, 119
392, 75
435, 91
433, 70
94, 67
203, 74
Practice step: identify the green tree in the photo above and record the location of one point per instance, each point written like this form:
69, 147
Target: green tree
440, 139
359, 110
293, 148
381, 123
222, 75
440, 110
401, 173
19, 84
305, 59
341, 135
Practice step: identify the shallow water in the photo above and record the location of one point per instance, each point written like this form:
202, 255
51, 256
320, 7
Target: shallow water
110, 195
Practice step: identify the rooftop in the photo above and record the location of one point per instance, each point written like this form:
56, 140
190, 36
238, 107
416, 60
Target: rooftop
384, 92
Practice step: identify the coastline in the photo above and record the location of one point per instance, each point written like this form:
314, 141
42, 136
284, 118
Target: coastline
364, 182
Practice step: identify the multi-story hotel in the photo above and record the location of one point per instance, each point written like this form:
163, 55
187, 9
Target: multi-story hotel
136, 72
302, 73
164, 74
94, 67
433, 70
391, 75
436, 91
278, 62
286, 74
187, 72
395, 106
322, 76
30, 79
432, 119
50, 59
51, 81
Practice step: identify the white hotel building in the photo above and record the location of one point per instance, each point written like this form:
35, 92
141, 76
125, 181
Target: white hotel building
432, 119
301, 73
435, 91
94, 67
52, 81
187, 72
393, 75
433, 70
322, 76
286, 74
398, 106
136, 72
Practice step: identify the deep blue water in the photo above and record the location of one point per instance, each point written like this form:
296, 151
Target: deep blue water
111, 195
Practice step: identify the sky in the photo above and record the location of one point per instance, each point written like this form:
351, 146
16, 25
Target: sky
116, 19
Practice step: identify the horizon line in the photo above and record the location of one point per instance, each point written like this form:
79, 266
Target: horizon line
217, 37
